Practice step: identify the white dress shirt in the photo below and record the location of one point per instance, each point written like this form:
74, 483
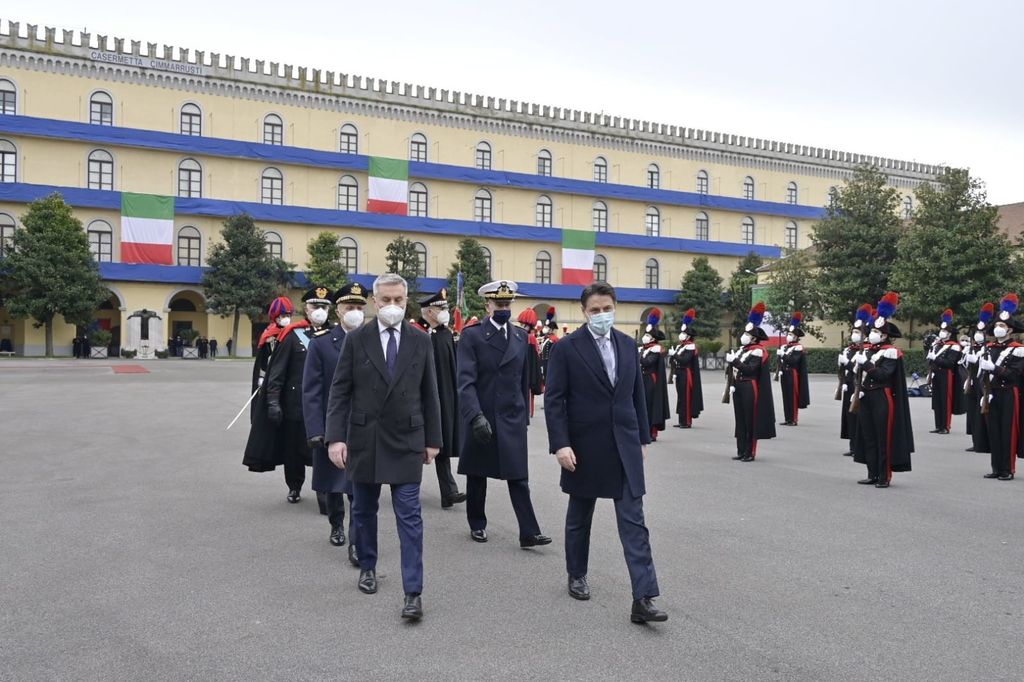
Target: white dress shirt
607, 338
384, 336
503, 328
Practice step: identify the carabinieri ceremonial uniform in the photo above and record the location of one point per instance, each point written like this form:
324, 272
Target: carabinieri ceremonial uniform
263, 450
847, 378
1002, 374
792, 368
685, 362
977, 423
944, 362
752, 401
652, 367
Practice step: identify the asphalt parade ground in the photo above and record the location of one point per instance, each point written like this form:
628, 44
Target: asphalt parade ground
135, 546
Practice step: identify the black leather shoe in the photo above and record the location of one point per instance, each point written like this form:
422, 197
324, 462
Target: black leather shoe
739, 458
478, 535
748, 458
353, 558
644, 611
868, 481
368, 581
579, 588
847, 454
970, 449
453, 499
413, 609
939, 431
882, 484
337, 537
1006, 477
293, 496
534, 541
992, 475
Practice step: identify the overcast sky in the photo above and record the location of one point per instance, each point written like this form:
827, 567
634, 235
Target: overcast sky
937, 81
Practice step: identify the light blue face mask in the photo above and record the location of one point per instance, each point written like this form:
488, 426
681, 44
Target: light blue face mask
601, 323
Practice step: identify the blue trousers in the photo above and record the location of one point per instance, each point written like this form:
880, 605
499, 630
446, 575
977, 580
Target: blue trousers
405, 500
518, 492
633, 533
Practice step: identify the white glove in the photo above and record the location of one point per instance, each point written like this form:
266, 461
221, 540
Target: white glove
732, 389
861, 395
843, 360
987, 365
972, 358
931, 355
844, 388
965, 385
731, 355
860, 358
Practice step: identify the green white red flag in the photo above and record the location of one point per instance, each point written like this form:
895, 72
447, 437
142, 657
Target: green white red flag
578, 256
388, 190
147, 228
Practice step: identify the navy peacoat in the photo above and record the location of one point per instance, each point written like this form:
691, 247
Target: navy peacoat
494, 380
321, 360
605, 425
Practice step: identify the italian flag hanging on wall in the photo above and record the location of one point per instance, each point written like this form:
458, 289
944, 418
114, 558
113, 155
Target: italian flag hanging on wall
389, 186
578, 256
147, 228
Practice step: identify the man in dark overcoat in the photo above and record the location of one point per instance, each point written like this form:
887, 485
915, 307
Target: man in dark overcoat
383, 425
494, 390
596, 416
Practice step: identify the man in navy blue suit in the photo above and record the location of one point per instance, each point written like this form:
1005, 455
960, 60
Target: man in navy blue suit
597, 428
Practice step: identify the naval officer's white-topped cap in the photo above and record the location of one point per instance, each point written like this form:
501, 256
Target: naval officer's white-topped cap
499, 290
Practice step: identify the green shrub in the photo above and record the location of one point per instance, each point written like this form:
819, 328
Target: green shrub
162, 354
100, 338
710, 347
128, 354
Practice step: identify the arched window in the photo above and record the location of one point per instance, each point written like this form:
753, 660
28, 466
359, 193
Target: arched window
544, 211
748, 187
349, 255
652, 222
189, 243
8, 97
272, 187
792, 235
791, 193
101, 170
418, 147
908, 207
600, 268
653, 176
348, 193
747, 230
274, 244
8, 162
600, 169
421, 258
349, 142
190, 178
542, 271
482, 210
7, 227
600, 216
651, 274
702, 182
703, 225
483, 156
833, 197
544, 162
101, 109
273, 129
489, 258
418, 200
101, 241
191, 120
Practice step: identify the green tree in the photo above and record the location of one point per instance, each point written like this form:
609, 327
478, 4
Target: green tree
856, 244
792, 288
324, 268
50, 270
741, 282
242, 276
953, 254
472, 262
701, 289
401, 258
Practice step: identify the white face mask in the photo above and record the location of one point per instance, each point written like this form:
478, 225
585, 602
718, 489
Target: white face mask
790, 338
856, 337
283, 321
943, 335
391, 315
979, 337
1000, 332
682, 337
875, 336
352, 319
318, 317
647, 338
746, 339
443, 317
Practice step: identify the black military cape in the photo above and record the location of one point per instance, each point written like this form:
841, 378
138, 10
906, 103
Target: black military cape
447, 389
903, 431
264, 450
695, 389
652, 366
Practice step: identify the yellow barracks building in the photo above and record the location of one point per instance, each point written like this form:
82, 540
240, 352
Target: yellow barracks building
92, 116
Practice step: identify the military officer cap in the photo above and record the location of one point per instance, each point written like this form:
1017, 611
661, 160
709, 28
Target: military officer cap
500, 290
353, 292
438, 300
317, 295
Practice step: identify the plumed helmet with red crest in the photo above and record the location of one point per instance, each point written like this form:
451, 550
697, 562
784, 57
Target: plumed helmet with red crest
653, 320
754, 320
688, 317
865, 313
278, 307
796, 321
1007, 309
886, 310
549, 318
985, 315
946, 322
528, 318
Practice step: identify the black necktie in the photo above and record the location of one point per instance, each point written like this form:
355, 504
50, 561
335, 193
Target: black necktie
392, 354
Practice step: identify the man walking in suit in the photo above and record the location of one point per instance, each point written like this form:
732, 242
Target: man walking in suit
596, 415
494, 390
383, 425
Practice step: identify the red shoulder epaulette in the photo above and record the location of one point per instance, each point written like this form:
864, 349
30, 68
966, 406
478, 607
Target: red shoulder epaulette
417, 325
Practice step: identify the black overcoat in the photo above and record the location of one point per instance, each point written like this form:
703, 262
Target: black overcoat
447, 389
686, 367
652, 366
885, 368
264, 449
321, 360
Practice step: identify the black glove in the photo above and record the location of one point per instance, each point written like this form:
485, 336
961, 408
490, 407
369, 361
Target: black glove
274, 413
315, 442
481, 429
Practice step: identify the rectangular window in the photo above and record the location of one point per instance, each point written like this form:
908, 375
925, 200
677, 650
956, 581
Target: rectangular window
651, 277
273, 133
482, 210
8, 102
653, 179
543, 272
748, 190
418, 204
653, 225
6, 239
702, 185
348, 198
349, 143
600, 172
600, 219
790, 237
101, 246
190, 183
543, 166
191, 124
748, 233
543, 214
8, 167
418, 151
600, 271
703, 229
101, 113
273, 191
348, 259
483, 159
101, 174
791, 195
188, 251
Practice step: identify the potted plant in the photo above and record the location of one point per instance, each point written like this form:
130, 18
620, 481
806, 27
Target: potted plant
189, 336
100, 342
